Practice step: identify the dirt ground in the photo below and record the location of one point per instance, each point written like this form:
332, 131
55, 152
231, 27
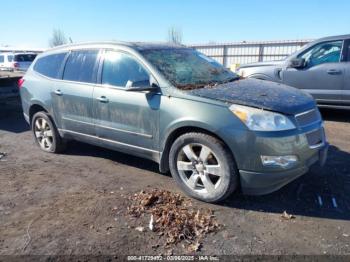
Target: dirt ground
75, 203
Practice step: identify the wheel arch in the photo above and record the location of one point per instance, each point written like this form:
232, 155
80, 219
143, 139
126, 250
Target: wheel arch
174, 134
35, 108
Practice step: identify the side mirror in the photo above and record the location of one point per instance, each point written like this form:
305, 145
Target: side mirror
147, 85
297, 63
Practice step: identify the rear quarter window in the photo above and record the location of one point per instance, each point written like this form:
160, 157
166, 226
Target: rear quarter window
10, 58
50, 65
2, 59
81, 66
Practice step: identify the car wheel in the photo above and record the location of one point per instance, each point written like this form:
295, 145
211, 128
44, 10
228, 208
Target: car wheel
203, 167
46, 134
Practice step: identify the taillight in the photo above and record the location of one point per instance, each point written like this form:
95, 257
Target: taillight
20, 82
15, 65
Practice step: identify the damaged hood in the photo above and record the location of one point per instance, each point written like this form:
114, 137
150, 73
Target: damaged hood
261, 94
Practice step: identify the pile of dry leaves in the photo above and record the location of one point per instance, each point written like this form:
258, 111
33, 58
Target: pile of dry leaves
172, 215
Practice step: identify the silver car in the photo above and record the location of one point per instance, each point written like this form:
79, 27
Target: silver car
321, 68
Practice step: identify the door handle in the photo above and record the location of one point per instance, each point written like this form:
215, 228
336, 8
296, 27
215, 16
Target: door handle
103, 99
334, 72
58, 92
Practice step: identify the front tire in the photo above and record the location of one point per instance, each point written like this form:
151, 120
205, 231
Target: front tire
46, 134
203, 167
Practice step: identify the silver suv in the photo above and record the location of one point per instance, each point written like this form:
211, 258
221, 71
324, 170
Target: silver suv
321, 68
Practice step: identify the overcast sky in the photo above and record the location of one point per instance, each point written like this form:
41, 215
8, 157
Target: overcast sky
31, 22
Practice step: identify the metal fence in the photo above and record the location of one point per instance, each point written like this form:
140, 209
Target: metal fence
233, 54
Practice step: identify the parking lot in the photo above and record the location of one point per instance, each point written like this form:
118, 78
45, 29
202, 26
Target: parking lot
75, 203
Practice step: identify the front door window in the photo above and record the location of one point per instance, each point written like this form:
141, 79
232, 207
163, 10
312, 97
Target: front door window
328, 52
122, 70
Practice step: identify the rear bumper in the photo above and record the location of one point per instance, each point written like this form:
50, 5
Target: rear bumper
255, 183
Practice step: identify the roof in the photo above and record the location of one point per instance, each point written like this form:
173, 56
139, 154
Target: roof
135, 45
331, 38
145, 46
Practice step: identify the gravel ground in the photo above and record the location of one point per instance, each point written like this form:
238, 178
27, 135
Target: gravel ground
76, 202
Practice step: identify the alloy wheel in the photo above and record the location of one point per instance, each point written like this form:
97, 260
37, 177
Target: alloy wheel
43, 133
199, 168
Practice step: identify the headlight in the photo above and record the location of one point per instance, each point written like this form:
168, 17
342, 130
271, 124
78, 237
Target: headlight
261, 120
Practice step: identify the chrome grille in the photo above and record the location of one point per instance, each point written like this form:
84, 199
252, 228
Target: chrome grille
315, 138
308, 117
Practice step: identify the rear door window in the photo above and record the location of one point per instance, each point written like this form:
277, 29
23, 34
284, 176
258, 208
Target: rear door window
24, 57
50, 65
81, 66
10, 58
122, 70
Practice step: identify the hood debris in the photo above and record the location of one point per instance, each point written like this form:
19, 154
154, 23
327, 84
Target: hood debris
260, 94
207, 85
173, 217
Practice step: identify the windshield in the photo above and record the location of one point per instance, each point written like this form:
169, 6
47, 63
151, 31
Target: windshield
187, 68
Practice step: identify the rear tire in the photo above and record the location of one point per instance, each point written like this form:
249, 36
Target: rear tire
203, 167
46, 134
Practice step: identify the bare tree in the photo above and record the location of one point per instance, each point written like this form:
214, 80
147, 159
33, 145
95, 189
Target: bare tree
175, 35
58, 38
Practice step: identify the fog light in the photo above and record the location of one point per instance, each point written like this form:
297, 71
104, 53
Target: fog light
279, 161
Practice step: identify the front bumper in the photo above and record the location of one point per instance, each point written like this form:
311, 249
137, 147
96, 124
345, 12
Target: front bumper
260, 183
307, 142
